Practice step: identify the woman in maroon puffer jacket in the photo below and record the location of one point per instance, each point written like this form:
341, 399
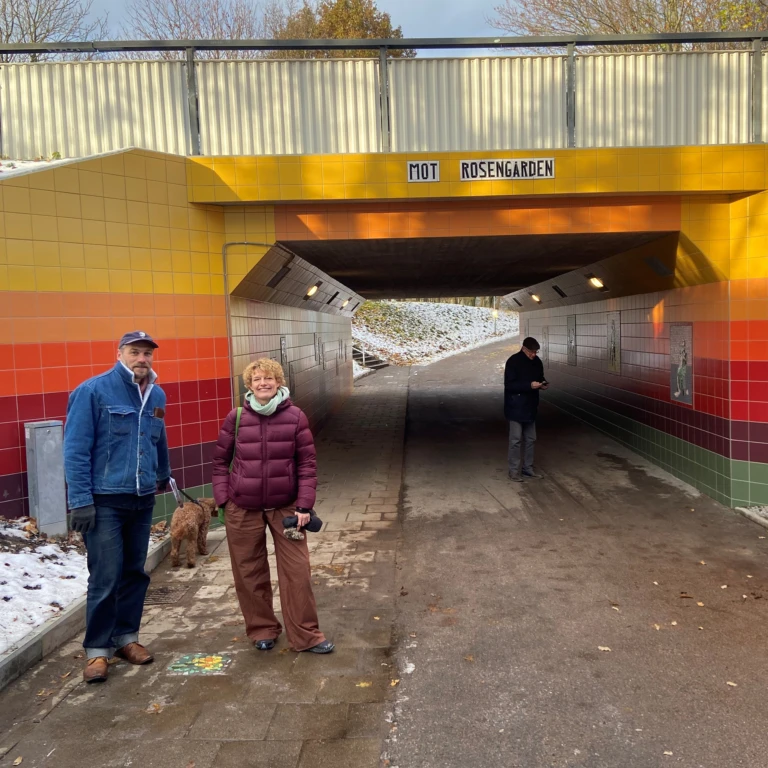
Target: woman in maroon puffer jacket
273, 475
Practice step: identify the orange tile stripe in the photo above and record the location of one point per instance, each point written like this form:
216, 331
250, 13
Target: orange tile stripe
30, 318
468, 218
29, 369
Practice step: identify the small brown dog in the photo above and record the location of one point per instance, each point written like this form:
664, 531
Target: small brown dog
190, 523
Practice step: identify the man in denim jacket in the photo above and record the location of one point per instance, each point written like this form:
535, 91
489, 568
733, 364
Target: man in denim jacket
115, 457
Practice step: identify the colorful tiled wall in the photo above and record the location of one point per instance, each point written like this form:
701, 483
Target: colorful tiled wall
92, 249
633, 401
87, 252
133, 239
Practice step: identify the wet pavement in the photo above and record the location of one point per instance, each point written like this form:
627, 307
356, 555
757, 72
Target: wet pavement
604, 616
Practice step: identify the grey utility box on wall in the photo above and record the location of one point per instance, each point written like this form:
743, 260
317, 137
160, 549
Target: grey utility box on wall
45, 476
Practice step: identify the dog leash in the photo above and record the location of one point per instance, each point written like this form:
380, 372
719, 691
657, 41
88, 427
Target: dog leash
180, 495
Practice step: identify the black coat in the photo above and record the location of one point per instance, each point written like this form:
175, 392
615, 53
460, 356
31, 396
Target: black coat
520, 401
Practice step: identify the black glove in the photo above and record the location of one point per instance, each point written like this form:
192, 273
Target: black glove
83, 519
162, 485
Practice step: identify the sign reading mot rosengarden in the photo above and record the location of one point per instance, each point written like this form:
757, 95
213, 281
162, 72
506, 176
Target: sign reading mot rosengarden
535, 168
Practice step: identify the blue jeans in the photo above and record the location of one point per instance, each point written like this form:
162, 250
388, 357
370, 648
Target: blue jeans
117, 582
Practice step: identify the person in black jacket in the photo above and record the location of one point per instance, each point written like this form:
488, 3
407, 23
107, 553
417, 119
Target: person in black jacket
523, 380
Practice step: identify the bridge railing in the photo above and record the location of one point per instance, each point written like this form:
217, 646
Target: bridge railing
271, 107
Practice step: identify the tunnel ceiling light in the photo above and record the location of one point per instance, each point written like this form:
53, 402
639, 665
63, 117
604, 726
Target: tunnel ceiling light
313, 290
595, 281
344, 303
536, 298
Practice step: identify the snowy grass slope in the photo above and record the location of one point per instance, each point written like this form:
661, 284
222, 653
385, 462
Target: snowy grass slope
406, 333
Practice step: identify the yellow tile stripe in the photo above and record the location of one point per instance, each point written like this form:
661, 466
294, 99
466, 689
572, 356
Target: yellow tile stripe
729, 169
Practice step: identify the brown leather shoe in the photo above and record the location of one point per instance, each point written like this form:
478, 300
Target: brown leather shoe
135, 653
96, 670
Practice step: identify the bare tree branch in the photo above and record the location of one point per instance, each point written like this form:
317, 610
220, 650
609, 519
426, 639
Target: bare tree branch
48, 21
597, 17
199, 20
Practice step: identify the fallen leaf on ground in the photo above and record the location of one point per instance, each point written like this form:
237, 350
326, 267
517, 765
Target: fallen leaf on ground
701, 605
733, 685
603, 648
411, 634
724, 586
364, 684
761, 537
18, 761
394, 683
702, 562
701, 627
667, 752
656, 583
685, 596
156, 709
748, 576
469, 657
377, 618
190, 764
657, 627
65, 676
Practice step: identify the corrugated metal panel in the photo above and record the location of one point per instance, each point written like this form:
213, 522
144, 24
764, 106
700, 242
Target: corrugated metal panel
662, 99
288, 107
473, 104
85, 108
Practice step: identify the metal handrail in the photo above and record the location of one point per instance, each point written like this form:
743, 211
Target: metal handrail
416, 43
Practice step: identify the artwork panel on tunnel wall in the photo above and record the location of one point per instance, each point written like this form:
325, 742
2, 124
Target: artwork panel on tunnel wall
613, 330
571, 340
544, 344
681, 363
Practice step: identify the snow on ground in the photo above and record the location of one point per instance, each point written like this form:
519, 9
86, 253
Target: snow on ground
38, 579
17, 167
358, 370
407, 333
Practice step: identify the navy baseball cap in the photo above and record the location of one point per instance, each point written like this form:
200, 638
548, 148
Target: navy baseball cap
134, 337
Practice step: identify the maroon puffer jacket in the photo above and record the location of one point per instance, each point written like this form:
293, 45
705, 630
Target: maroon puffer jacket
275, 460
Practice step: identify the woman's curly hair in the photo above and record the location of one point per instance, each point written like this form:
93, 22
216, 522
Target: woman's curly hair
266, 365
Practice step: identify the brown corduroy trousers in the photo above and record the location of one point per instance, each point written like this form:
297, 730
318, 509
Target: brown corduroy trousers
247, 538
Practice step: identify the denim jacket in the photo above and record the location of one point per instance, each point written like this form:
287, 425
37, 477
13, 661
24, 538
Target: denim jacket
114, 440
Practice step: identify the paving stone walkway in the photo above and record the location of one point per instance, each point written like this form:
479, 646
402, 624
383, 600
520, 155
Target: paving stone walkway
212, 701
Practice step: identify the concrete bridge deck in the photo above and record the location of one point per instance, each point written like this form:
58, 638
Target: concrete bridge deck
488, 603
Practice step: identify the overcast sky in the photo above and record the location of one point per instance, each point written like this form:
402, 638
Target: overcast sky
418, 18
